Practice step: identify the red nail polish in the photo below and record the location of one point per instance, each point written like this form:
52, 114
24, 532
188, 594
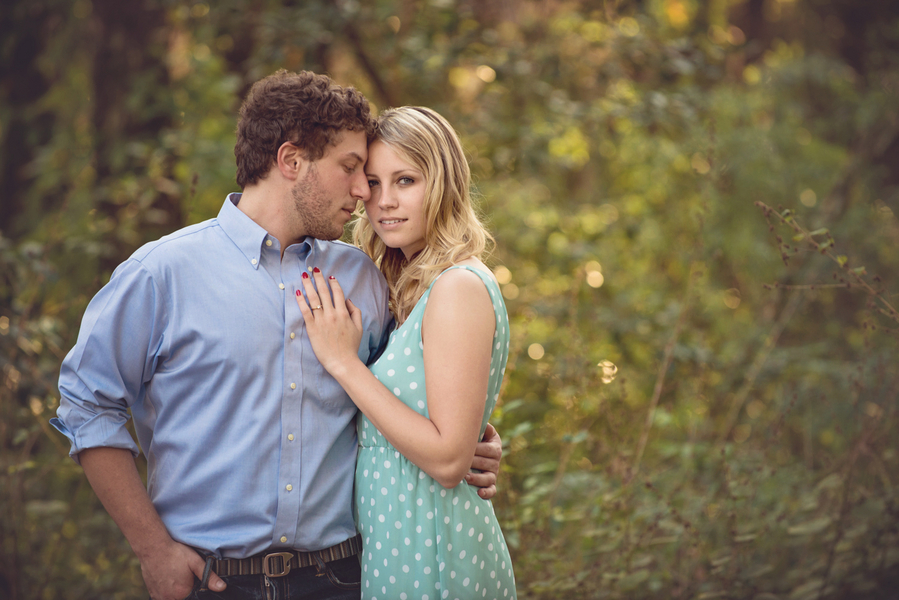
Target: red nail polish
299, 294
331, 277
305, 275
315, 270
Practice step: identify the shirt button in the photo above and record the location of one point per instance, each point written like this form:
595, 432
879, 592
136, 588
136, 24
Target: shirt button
281, 285
289, 487
253, 261
293, 386
283, 539
268, 242
290, 436
292, 335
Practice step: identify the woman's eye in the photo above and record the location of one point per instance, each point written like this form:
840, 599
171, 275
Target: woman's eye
372, 183
406, 180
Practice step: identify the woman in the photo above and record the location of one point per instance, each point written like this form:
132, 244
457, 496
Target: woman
426, 401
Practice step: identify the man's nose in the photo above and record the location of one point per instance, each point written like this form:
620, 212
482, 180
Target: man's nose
360, 189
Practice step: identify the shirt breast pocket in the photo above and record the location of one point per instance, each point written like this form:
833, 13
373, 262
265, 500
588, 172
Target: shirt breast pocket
330, 393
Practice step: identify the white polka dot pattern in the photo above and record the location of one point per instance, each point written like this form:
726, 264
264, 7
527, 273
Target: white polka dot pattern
421, 540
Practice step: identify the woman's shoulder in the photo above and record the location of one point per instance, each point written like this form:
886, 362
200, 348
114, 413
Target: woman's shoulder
464, 270
469, 282
462, 297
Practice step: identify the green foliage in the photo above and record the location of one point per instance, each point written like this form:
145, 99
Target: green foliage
695, 209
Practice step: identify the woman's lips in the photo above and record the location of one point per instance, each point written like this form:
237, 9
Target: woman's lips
391, 223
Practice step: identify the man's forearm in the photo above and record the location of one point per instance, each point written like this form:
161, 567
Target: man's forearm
114, 477
168, 567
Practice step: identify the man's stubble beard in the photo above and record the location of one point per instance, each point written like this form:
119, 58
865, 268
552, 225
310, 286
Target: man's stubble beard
313, 209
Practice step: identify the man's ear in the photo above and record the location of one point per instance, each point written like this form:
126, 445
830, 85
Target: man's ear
291, 161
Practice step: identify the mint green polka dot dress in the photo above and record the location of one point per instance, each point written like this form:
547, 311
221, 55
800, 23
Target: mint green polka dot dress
422, 541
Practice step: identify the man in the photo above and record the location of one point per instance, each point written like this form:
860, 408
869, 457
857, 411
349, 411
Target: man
250, 444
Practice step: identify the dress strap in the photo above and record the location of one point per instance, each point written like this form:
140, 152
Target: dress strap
488, 281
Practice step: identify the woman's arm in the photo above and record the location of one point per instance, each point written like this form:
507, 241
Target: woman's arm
457, 334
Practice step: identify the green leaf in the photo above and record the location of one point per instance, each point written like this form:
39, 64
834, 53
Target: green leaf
810, 527
809, 589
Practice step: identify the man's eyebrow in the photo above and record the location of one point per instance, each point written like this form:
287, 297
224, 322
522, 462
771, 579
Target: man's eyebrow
355, 155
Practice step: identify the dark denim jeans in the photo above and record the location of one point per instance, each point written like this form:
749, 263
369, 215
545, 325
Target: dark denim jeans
340, 580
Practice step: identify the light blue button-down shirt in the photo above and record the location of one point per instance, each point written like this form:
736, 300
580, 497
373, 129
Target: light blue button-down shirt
250, 443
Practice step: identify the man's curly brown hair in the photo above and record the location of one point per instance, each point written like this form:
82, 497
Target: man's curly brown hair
306, 109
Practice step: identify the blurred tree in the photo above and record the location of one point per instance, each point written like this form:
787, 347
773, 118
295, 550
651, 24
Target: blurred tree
675, 428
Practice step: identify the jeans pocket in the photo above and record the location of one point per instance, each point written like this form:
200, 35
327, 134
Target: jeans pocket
345, 574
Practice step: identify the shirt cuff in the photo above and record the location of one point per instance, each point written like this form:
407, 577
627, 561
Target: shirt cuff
96, 433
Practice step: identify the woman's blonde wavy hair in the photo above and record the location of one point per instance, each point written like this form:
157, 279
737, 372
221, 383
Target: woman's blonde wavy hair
453, 230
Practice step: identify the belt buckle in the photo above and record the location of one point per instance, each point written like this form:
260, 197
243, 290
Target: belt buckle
284, 556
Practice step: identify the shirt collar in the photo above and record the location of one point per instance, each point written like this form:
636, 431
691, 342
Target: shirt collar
249, 235
243, 231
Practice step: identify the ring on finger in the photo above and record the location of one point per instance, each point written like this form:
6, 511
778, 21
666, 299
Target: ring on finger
319, 307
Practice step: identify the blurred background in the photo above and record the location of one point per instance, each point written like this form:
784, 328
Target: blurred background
695, 210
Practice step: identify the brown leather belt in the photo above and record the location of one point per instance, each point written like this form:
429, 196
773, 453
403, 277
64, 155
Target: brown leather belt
279, 564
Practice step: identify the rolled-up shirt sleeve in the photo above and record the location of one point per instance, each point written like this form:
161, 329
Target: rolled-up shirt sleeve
118, 348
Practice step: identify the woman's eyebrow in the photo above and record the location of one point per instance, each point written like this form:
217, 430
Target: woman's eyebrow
408, 170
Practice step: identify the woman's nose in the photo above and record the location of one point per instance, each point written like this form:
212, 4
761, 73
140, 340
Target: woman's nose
386, 199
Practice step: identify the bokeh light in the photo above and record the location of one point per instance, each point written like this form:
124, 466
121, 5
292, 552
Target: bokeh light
677, 13
752, 75
742, 432
755, 409
732, 298
609, 370
608, 213
503, 275
629, 26
595, 277
808, 198
485, 74
700, 164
